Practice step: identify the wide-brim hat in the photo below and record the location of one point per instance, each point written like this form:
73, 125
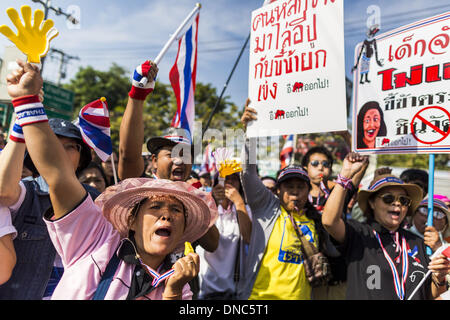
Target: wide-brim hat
293, 172
170, 137
388, 180
64, 128
117, 201
438, 203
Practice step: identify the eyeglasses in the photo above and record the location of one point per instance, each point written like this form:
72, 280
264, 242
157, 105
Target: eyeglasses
437, 214
72, 147
389, 198
325, 163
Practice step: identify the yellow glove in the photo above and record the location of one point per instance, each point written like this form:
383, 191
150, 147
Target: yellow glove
32, 40
188, 248
228, 167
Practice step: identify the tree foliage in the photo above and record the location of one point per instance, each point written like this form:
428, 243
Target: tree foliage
159, 108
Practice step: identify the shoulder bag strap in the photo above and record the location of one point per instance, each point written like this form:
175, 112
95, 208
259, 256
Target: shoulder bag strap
307, 248
107, 277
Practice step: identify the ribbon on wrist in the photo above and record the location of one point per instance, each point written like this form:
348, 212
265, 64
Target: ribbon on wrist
16, 134
139, 93
141, 86
29, 110
346, 183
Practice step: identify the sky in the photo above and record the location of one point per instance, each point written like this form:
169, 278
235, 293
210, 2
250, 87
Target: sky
132, 31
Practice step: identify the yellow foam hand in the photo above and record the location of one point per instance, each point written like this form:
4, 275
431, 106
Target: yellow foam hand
188, 248
32, 39
228, 167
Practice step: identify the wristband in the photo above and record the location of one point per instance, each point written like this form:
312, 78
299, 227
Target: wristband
29, 110
140, 89
139, 93
17, 133
346, 183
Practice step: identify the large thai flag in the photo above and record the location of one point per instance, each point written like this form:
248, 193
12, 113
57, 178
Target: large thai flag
182, 78
286, 151
94, 125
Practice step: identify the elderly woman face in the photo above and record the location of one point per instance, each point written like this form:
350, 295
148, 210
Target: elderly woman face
371, 127
390, 206
159, 225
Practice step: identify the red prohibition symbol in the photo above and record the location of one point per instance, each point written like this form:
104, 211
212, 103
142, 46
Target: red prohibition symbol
428, 123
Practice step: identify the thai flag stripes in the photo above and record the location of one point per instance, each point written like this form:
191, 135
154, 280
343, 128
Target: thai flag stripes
29, 109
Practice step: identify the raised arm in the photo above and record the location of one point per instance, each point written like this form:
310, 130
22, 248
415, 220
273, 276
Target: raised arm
11, 165
45, 149
255, 191
131, 163
332, 212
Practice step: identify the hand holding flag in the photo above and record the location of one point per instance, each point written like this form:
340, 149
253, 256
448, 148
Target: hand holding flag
140, 89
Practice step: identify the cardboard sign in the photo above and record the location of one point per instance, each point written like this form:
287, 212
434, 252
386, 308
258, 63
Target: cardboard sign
296, 73
401, 97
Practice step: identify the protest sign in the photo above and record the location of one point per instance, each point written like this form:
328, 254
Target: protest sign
296, 72
404, 106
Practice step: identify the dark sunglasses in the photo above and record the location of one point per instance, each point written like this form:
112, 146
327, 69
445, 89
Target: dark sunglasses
324, 163
390, 198
437, 214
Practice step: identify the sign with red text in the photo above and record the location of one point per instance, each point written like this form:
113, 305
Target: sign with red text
297, 68
401, 95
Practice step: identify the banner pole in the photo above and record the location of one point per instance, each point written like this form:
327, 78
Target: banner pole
430, 194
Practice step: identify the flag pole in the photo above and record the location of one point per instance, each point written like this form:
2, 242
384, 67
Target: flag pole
113, 168
430, 194
228, 80
158, 58
294, 145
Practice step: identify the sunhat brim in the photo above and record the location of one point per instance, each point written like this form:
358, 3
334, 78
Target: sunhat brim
413, 191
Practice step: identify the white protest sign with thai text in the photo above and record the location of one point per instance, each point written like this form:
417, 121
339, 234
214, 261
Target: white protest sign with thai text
404, 107
296, 73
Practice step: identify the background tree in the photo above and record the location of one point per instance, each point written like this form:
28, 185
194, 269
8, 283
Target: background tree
90, 84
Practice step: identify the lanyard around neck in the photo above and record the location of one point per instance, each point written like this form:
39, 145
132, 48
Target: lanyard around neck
399, 284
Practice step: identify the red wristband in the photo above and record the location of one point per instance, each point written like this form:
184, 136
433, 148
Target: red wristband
139, 93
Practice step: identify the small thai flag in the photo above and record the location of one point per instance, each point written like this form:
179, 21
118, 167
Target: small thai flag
94, 125
182, 78
286, 152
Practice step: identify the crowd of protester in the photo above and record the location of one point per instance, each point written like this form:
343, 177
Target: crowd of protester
75, 227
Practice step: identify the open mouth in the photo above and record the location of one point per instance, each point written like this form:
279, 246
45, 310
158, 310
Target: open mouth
178, 174
370, 133
163, 232
395, 214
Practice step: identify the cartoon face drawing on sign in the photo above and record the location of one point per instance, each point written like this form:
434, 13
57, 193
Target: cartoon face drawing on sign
370, 124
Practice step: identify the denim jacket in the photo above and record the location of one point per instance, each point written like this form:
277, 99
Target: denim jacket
34, 249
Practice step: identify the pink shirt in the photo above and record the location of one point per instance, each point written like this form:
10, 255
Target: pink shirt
86, 241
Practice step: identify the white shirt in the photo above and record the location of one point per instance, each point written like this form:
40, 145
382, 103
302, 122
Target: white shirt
217, 268
6, 226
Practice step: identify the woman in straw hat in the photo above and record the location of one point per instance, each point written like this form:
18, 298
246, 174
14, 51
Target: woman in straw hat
384, 260
122, 243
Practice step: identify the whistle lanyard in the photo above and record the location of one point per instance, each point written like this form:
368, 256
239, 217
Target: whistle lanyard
326, 194
399, 284
157, 278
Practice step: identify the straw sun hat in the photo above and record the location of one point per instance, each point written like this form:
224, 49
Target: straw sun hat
387, 180
117, 202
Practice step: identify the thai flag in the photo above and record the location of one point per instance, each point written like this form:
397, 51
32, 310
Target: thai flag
182, 78
93, 122
286, 152
208, 161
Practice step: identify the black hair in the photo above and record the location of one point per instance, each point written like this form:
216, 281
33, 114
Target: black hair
319, 149
94, 165
360, 120
269, 178
414, 176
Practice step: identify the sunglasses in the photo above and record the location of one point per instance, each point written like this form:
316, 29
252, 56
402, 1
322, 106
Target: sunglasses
437, 214
72, 147
389, 198
325, 163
